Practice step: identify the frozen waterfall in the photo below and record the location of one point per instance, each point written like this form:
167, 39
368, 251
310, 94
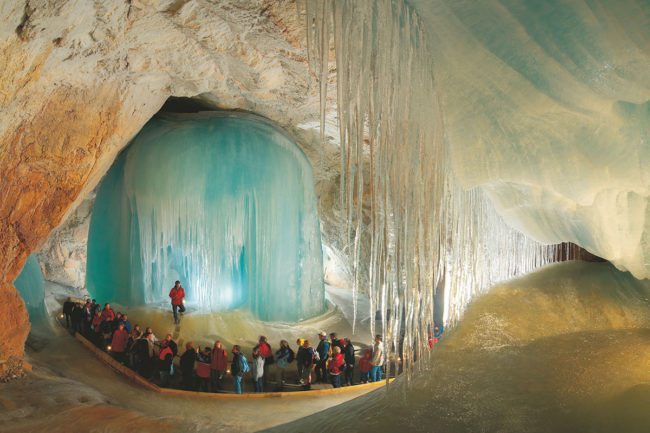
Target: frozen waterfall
426, 232
223, 202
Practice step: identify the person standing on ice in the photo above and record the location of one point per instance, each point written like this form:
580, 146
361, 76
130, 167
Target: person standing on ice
267, 353
323, 350
257, 370
365, 365
165, 364
187, 366
118, 343
218, 366
377, 360
238, 368
284, 356
300, 359
348, 355
177, 293
108, 315
336, 366
306, 359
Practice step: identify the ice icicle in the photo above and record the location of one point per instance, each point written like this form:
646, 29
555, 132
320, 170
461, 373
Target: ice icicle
426, 234
224, 203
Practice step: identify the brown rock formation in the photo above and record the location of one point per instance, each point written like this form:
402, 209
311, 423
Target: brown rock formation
47, 166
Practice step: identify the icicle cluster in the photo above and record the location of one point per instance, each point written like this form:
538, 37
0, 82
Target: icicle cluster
425, 233
223, 202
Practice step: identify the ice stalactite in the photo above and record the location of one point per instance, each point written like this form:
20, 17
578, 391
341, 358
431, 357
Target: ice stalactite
425, 232
223, 202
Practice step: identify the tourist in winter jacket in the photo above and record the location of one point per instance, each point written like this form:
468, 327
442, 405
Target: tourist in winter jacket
127, 323
172, 344
299, 358
307, 361
237, 368
266, 352
165, 361
218, 366
108, 315
257, 370
136, 332
116, 321
365, 364
335, 341
130, 345
177, 295
203, 369
118, 343
144, 355
348, 355
68, 306
97, 329
95, 307
87, 320
284, 356
76, 317
336, 366
187, 366
323, 349
377, 359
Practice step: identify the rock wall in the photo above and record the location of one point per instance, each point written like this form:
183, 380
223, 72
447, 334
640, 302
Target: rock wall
63, 256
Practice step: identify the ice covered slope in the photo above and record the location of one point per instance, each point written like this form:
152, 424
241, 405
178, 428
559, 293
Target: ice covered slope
547, 108
564, 349
224, 203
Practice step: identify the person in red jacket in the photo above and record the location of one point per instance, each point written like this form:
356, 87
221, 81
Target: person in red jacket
365, 365
218, 365
336, 366
267, 353
108, 315
177, 293
118, 343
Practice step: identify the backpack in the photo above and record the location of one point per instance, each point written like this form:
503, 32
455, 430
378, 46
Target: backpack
245, 368
291, 356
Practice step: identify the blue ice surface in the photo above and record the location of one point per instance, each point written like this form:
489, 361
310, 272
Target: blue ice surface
223, 202
31, 286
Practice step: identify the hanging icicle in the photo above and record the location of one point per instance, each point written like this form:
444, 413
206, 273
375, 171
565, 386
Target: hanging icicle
425, 233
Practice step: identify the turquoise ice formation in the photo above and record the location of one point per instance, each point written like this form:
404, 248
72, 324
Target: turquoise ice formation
31, 286
224, 203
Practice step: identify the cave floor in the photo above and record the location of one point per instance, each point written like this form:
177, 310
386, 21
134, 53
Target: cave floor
69, 390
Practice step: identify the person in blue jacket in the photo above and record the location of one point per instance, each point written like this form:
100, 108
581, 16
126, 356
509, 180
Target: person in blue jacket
323, 353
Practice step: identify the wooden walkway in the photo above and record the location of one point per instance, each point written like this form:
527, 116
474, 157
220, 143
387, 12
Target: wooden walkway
141, 381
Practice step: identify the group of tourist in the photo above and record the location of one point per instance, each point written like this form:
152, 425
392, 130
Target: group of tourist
332, 361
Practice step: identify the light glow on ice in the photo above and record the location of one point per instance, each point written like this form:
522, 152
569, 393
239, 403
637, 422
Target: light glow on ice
225, 203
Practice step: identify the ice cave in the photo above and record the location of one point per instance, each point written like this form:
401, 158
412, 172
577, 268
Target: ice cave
422, 215
222, 202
